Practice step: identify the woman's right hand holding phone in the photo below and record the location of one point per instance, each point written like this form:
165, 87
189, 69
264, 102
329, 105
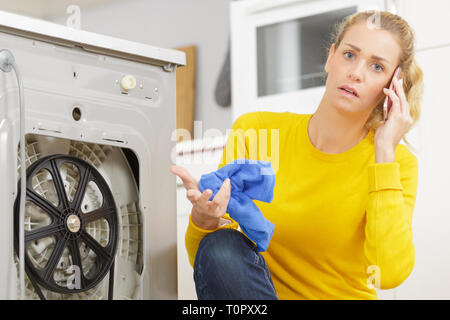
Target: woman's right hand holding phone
205, 214
388, 102
389, 134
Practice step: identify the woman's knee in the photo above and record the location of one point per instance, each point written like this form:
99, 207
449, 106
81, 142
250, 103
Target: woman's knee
220, 247
227, 266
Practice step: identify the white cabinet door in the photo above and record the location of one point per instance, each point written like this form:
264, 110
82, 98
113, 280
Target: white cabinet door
430, 278
429, 19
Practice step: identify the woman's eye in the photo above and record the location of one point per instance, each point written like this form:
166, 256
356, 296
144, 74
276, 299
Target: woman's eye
347, 53
381, 68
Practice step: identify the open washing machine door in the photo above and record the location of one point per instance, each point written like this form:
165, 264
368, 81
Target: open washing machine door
100, 213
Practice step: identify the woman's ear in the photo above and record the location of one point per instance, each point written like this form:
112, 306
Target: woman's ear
330, 55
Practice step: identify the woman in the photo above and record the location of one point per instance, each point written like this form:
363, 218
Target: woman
345, 188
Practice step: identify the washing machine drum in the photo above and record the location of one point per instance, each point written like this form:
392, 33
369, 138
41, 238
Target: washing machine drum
82, 220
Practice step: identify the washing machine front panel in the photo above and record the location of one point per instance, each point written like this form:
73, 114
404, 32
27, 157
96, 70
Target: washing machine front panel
105, 103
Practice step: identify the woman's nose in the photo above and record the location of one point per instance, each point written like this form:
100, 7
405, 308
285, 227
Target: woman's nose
356, 73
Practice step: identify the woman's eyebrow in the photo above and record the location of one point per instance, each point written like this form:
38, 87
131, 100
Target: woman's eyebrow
374, 57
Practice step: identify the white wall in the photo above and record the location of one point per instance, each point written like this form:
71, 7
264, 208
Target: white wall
430, 278
172, 24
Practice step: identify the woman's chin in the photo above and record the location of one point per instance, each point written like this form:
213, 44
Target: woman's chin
344, 106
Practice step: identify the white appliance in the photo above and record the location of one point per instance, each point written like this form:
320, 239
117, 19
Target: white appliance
100, 214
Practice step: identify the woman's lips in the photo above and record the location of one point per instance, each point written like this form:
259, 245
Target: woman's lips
347, 94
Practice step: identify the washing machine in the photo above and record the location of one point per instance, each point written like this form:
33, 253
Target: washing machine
99, 218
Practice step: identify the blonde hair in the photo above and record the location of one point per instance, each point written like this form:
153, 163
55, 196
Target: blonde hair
411, 72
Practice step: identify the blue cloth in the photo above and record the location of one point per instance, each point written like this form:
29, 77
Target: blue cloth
250, 180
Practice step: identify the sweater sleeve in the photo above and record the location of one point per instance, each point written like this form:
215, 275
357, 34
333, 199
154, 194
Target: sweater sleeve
236, 147
388, 241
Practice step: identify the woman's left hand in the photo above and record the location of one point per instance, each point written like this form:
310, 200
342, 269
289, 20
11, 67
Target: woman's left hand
389, 134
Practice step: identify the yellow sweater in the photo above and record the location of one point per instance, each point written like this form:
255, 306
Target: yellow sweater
342, 221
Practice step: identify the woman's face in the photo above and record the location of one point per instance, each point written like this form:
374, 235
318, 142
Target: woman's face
366, 60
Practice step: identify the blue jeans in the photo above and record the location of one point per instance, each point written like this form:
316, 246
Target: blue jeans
228, 267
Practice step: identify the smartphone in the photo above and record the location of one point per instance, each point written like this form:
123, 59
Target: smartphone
387, 101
